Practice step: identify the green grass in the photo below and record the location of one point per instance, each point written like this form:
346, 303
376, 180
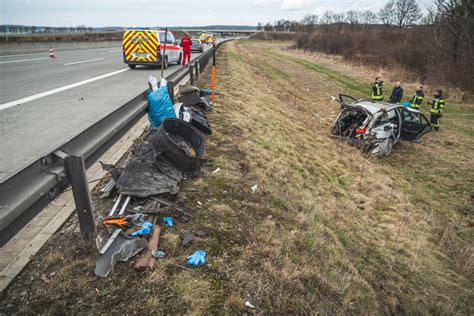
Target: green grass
350, 84
272, 72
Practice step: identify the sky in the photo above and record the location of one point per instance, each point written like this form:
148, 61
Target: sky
127, 13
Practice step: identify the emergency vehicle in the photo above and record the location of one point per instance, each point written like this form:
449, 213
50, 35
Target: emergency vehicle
207, 38
145, 47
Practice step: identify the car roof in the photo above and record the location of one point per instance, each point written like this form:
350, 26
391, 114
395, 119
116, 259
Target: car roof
374, 106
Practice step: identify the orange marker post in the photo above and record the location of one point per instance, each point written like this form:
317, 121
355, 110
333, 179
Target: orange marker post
214, 73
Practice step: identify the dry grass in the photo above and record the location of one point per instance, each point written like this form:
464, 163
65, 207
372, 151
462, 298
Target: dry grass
328, 229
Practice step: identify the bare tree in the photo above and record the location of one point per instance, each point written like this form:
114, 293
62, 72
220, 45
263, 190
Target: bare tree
353, 18
268, 27
369, 17
308, 23
327, 18
406, 12
386, 14
259, 26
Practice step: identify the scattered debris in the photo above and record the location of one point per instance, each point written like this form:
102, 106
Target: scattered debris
168, 221
160, 254
121, 248
144, 231
188, 238
197, 258
216, 171
147, 260
247, 303
254, 189
45, 279
202, 233
198, 202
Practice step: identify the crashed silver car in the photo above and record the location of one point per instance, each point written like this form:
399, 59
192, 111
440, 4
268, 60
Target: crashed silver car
378, 126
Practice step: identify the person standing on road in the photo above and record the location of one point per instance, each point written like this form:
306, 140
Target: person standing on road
377, 90
186, 45
397, 93
437, 107
417, 98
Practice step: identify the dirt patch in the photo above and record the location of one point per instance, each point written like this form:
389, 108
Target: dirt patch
327, 230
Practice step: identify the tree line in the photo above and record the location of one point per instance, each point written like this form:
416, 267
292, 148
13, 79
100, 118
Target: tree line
23, 29
400, 13
437, 47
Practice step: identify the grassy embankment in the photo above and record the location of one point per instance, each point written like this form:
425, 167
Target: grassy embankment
328, 230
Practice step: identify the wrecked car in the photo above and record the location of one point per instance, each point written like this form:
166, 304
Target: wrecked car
378, 126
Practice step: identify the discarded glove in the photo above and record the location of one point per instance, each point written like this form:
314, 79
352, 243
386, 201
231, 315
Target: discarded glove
197, 258
168, 221
144, 231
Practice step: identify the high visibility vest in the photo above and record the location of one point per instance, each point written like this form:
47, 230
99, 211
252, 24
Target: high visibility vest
417, 100
438, 105
377, 92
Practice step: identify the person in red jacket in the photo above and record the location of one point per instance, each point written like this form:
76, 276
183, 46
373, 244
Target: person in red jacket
186, 45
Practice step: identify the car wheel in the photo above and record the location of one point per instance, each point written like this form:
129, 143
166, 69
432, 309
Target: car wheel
390, 143
179, 59
165, 63
132, 66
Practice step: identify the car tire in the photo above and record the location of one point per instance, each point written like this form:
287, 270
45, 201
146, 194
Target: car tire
390, 144
180, 59
132, 66
165, 63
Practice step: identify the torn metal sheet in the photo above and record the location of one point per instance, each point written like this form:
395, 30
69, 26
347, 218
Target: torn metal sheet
121, 248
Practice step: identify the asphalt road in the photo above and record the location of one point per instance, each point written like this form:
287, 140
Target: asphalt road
44, 102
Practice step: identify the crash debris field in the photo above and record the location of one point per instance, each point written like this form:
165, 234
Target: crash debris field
292, 219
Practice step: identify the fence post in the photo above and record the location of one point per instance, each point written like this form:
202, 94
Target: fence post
196, 65
171, 90
82, 198
191, 73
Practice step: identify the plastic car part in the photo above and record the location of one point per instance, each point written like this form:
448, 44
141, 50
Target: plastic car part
196, 117
195, 100
181, 145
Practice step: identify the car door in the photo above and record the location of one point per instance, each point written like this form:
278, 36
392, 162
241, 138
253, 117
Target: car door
414, 124
346, 100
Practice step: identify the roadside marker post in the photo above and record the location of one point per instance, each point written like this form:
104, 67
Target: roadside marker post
214, 72
82, 199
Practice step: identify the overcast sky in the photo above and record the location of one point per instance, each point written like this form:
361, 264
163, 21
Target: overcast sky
172, 12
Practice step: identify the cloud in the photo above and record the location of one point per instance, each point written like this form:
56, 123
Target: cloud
294, 5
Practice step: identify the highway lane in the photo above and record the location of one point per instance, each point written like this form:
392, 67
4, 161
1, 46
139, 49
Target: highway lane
36, 127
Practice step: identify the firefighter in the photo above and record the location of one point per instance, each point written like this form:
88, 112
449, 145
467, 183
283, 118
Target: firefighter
397, 93
418, 97
186, 45
437, 107
377, 90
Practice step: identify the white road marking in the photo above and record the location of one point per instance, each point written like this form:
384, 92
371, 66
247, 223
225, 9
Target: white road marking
59, 51
22, 60
84, 61
114, 51
50, 92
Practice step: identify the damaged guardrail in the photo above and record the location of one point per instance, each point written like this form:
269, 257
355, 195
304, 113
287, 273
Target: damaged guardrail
26, 193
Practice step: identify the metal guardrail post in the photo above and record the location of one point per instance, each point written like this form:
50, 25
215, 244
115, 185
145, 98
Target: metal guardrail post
80, 189
191, 73
196, 66
171, 90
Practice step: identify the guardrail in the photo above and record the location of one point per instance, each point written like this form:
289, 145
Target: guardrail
26, 193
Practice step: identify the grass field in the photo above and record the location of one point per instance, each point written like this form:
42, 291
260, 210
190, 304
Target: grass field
328, 230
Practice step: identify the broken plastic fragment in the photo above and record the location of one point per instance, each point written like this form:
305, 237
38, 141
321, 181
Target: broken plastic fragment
247, 303
168, 221
216, 171
254, 189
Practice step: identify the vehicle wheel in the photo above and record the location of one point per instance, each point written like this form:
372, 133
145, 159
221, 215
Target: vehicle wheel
132, 66
165, 65
390, 143
179, 59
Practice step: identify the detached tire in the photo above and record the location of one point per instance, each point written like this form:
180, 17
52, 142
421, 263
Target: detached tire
132, 66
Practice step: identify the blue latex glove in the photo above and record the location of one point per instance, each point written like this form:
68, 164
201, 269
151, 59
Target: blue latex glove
168, 221
197, 258
144, 231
